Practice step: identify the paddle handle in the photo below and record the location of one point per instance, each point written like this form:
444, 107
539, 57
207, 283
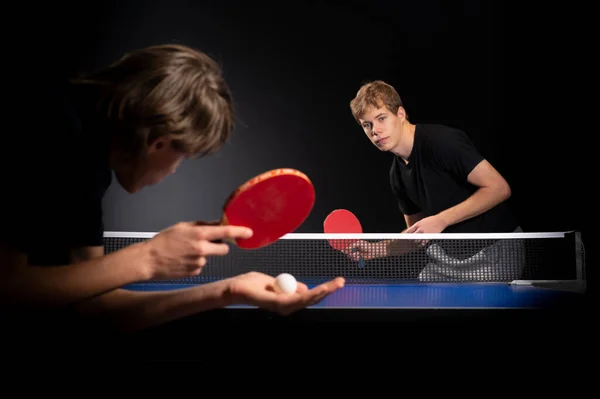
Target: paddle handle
361, 261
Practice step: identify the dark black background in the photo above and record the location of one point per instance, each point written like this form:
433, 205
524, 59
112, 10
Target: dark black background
496, 70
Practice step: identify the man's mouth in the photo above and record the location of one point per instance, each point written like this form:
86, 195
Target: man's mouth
381, 141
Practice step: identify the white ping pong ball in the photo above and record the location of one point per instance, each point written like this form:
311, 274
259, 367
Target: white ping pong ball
285, 282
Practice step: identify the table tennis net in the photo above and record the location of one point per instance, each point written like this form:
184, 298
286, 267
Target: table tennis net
476, 257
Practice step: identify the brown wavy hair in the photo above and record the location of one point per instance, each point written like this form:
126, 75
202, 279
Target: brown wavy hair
162, 90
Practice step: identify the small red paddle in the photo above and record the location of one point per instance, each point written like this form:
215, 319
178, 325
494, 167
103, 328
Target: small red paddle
343, 221
272, 204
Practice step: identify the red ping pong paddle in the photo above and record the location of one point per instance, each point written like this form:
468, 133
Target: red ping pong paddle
343, 221
272, 204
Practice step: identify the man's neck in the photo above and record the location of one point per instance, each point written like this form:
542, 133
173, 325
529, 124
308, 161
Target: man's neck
405, 144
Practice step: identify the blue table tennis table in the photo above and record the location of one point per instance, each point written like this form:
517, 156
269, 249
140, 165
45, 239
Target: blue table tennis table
380, 308
375, 320
419, 295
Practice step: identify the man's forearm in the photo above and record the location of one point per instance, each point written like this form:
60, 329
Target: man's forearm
125, 311
399, 247
481, 201
64, 285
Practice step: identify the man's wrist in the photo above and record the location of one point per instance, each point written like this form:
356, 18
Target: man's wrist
445, 219
225, 294
145, 256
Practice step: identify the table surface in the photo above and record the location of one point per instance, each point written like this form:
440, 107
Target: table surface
428, 296
389, 313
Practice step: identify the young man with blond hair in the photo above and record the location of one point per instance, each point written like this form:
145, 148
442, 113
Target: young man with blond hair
441, 182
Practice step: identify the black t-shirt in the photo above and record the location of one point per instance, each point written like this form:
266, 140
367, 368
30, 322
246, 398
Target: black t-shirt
54, 194
435, 179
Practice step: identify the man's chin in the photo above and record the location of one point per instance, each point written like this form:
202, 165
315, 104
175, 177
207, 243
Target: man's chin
132, 190
129, 187
385, 147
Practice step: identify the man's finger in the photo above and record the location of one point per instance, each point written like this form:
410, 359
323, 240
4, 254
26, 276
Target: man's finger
209, 223
326, 288
411, 229
214, 233
309, 298
209, 248
301, 288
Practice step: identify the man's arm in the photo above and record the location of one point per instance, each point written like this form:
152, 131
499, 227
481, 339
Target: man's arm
385, 248
399, 247
178, 251
124, 310
86, 253
23, 284
412, 219
493, 190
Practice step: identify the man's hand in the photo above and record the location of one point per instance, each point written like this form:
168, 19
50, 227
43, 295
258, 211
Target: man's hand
182, 250
257, 289
430, 225
366, 250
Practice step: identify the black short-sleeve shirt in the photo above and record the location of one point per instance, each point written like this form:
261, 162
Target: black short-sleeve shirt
435, 179
54, 187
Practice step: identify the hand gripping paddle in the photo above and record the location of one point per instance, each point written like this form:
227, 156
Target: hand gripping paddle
343, 221
272, 204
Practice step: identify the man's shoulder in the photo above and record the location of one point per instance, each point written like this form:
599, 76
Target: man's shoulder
441, 137
438, 131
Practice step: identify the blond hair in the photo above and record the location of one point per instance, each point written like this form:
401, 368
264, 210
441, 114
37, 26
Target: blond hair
376, 93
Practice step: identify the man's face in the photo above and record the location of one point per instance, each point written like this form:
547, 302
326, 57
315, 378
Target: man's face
155, 163
382, 127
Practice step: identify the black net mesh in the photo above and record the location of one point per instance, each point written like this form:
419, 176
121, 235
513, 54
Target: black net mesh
313, 258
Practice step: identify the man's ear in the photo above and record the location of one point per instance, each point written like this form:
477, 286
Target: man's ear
402, 113
158, 144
